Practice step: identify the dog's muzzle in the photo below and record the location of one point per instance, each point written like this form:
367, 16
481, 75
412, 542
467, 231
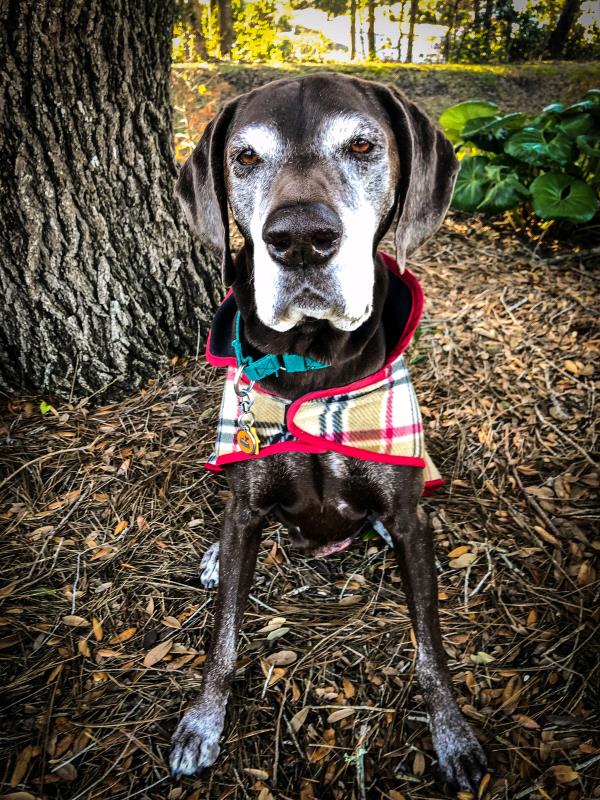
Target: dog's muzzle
302, 235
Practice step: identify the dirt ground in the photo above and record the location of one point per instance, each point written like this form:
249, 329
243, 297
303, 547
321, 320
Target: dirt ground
107, 511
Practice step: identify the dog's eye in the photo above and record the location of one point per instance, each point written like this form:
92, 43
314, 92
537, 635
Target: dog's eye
248, 157
361, 146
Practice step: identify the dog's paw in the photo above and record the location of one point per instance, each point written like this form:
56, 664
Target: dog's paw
461, 759
195, 743
209, 567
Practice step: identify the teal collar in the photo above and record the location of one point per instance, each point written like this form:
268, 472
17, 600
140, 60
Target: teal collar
259, 368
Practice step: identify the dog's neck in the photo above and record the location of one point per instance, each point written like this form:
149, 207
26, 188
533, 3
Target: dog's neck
350, 355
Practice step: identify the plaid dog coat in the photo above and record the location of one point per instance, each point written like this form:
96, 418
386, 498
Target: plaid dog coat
376, 418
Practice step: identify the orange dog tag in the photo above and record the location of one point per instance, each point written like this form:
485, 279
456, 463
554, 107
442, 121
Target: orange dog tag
247, 441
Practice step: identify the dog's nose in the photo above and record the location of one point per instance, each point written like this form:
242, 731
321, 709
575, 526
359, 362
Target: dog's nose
303, 235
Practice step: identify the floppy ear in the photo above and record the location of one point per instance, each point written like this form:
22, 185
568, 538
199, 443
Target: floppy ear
201, 192
428, 169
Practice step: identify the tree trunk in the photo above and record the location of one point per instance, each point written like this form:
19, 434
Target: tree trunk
560, 34
400, 24
371, 30
225, 27
414, 8
487, 28
98, 277
450, 34
352, 30
199, 37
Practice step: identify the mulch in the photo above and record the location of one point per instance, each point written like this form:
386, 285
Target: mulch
106, 512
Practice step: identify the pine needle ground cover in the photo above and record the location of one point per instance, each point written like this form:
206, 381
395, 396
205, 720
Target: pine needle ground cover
106, 512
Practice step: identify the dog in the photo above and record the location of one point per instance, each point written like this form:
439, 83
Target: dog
315, 170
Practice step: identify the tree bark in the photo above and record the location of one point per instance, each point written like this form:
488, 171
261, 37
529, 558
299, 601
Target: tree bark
99, 279
371, 30
560, 34
225, 27
414, 8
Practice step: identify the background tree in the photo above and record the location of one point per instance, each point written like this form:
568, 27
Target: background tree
98, 278
414, 10
371, 30
225, 27
558, 38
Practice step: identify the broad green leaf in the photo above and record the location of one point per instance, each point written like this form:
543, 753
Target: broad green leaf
528, 145
590, 145
554, 108
561, 149
471, 183
503, 195
558, 196
45, 407
577, 125
454, 118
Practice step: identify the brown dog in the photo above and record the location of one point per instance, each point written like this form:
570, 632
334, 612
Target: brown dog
315, 170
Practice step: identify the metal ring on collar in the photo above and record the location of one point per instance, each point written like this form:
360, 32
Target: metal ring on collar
236, 382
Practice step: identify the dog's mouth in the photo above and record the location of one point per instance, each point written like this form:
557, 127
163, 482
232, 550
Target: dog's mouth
308, 307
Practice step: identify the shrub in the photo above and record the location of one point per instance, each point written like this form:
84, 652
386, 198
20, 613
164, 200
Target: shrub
548, 164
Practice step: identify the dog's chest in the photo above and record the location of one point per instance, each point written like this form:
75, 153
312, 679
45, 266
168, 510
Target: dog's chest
321, 498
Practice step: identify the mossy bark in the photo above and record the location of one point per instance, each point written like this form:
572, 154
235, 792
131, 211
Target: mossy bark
99, 280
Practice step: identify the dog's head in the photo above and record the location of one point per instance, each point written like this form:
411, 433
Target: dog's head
315, 170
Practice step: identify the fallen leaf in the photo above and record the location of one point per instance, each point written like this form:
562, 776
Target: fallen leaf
341, 713
563, 773
459, 551
463, 561
120, 527
97, 629
171, 622
299, 718
157, 653
481, 658
418, 767
259, 774
73, 621
282, 658
123, 636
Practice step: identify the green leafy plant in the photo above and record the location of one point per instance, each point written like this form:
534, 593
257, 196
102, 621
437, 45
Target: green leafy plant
548, 164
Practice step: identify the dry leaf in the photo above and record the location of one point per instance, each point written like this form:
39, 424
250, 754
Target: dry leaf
22, 763
563, 773
418, 767
73, 621
459, 551
282, 658
299, 718
463, 561
341, 713
123, 636
259, 774
120, 527
348, 688
97, 629
171, 622
485, 782
157, 653
83, 648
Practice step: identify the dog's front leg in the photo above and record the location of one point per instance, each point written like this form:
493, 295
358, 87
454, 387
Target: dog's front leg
195, 743
461, 759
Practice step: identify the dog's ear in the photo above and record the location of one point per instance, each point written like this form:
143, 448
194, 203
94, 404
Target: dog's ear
428, 169
201, 191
